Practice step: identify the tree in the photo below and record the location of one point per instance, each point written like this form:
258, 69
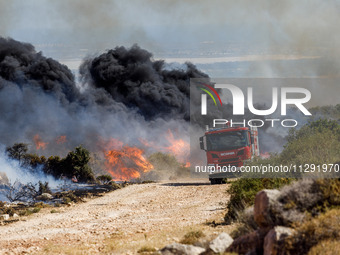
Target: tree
76, 163
17, 151
54, 166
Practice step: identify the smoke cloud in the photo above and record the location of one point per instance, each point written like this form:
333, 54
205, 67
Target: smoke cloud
131, 77
125, 94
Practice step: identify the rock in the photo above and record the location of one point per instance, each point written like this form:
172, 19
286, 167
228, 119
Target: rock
275, 239
181, 249
44, 197
265, 202
251, 243
4, 217
220, 243
15, 216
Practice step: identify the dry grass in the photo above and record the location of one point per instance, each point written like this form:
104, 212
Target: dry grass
327, 247
310, 233
146, 249
192, 237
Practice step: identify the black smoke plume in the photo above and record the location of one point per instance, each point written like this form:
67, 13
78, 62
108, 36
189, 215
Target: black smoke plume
22, 65
124, 95
132, 77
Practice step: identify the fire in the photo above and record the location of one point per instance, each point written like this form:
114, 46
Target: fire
265, 155
39, 144
61, 139
124, 162
178, 147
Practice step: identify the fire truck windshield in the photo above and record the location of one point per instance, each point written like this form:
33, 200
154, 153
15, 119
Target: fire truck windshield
227, 140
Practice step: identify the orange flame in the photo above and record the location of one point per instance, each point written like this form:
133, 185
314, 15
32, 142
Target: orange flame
265, 155
124, 162
61, 139
178, 147
39, 144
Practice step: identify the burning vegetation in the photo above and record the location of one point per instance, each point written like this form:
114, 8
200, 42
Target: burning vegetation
124, 93
124, 162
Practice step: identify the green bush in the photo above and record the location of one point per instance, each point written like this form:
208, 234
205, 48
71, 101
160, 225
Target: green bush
163, 161
76, 163
242, 193
104, 179
36, 209
317, 142
165, 166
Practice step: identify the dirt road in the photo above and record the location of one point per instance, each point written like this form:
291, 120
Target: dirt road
120, 222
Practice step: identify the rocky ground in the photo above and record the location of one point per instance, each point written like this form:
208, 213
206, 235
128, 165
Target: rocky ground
121, 222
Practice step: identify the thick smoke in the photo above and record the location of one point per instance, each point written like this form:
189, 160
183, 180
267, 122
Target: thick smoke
39, 96
22, 65
131, 76
124, 94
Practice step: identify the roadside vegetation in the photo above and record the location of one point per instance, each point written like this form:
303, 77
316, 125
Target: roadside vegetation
313, 204
165, 166
76, 163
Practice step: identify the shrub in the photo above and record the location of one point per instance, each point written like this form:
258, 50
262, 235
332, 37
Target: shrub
104, 179
77, 163
310, 233
327, 247
192, 237
41, 205
146, 249
20, 192
247, 223
310, 195
242, 193
69, 197
36, 209
67, 200
6, 210
44, 188
165, 166
114, 185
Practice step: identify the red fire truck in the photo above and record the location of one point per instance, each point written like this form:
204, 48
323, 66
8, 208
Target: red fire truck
227, 148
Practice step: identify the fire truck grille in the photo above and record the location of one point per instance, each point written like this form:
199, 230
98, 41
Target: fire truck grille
227, 160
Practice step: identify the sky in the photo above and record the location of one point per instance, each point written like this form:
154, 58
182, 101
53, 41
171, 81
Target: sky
224, 38
179, 30
155, 23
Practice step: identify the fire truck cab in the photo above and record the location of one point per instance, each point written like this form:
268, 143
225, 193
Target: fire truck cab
227, 149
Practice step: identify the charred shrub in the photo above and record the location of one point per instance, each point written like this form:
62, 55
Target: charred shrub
44, 188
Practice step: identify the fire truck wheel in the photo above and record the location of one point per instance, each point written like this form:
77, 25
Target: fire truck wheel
216, 181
